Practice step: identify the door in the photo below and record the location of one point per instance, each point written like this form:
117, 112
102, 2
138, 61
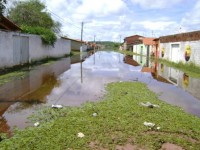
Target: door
20, 49
175, 49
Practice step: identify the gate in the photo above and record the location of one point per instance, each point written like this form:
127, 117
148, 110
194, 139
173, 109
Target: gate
20, 49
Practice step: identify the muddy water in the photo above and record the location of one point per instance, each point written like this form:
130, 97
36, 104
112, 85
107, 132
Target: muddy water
70, 82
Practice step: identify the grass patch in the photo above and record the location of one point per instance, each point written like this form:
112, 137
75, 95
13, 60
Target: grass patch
75, 53
129, 53
11, 76
119, 121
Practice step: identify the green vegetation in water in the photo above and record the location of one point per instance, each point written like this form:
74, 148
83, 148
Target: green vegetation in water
10, 76
73, 53
190, 68
19, 72
118, 121
129, 53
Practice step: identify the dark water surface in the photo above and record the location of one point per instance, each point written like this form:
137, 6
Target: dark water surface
70, 82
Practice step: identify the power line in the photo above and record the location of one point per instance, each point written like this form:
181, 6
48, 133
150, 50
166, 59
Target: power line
62, 20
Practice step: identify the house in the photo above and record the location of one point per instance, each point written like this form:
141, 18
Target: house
155, 48
77, 45
183, 47
6, 24
143, 47
130, 41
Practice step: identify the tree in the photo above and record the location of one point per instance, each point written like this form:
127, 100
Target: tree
32, 13
2, 6
31, 16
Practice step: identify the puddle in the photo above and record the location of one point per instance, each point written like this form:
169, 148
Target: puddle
71, 82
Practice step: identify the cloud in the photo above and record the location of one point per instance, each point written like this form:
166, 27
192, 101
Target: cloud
156, 4
108, 19
157, 25
191, 19
101, 8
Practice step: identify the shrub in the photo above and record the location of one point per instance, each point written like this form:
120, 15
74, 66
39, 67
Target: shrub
48, 36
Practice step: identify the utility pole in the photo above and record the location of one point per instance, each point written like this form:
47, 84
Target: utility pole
82, 23
94, 38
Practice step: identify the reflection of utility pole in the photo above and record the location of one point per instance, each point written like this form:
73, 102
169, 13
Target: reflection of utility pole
81, 72
82, 23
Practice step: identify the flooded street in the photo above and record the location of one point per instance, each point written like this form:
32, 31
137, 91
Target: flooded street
70, 82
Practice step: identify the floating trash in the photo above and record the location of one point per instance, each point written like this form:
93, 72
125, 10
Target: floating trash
150, 105
94, 114
149, 124
80, 135
36, 124
158, 128
57, 106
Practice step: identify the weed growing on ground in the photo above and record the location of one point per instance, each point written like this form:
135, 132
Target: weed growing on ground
119, 120
10, 76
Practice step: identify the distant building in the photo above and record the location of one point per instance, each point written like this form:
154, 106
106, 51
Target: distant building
6, 24
130, 41
77, 45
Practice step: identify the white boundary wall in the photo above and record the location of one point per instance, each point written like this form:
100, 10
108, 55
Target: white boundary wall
37, 50
195, 51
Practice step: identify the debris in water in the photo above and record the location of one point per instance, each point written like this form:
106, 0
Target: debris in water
150, 105
36, 124
149, 124
57, 106
80, 135
94, 114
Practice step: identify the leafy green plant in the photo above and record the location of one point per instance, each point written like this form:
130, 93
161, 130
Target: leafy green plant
48, 36
119, 120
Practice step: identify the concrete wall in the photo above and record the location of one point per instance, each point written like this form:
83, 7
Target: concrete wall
75, 45
37, 50
141, 49
6, 49
195, 51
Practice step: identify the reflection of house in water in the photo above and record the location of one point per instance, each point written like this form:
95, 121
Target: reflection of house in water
34, 88
180, 79
129, 60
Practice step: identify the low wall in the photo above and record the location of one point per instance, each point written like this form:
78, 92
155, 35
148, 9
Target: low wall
37, 50
13, 48
6, 49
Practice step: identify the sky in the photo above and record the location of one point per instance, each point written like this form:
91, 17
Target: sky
113, 20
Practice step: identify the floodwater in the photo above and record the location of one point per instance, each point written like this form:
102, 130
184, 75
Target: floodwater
71, 82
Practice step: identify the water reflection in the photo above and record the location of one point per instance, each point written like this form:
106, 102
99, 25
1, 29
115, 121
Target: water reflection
71, 82
169, 75
19, 98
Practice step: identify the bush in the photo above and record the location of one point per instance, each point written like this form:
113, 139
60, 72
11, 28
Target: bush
48, 36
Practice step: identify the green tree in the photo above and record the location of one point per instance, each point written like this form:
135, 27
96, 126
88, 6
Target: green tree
2, 6
32, 17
